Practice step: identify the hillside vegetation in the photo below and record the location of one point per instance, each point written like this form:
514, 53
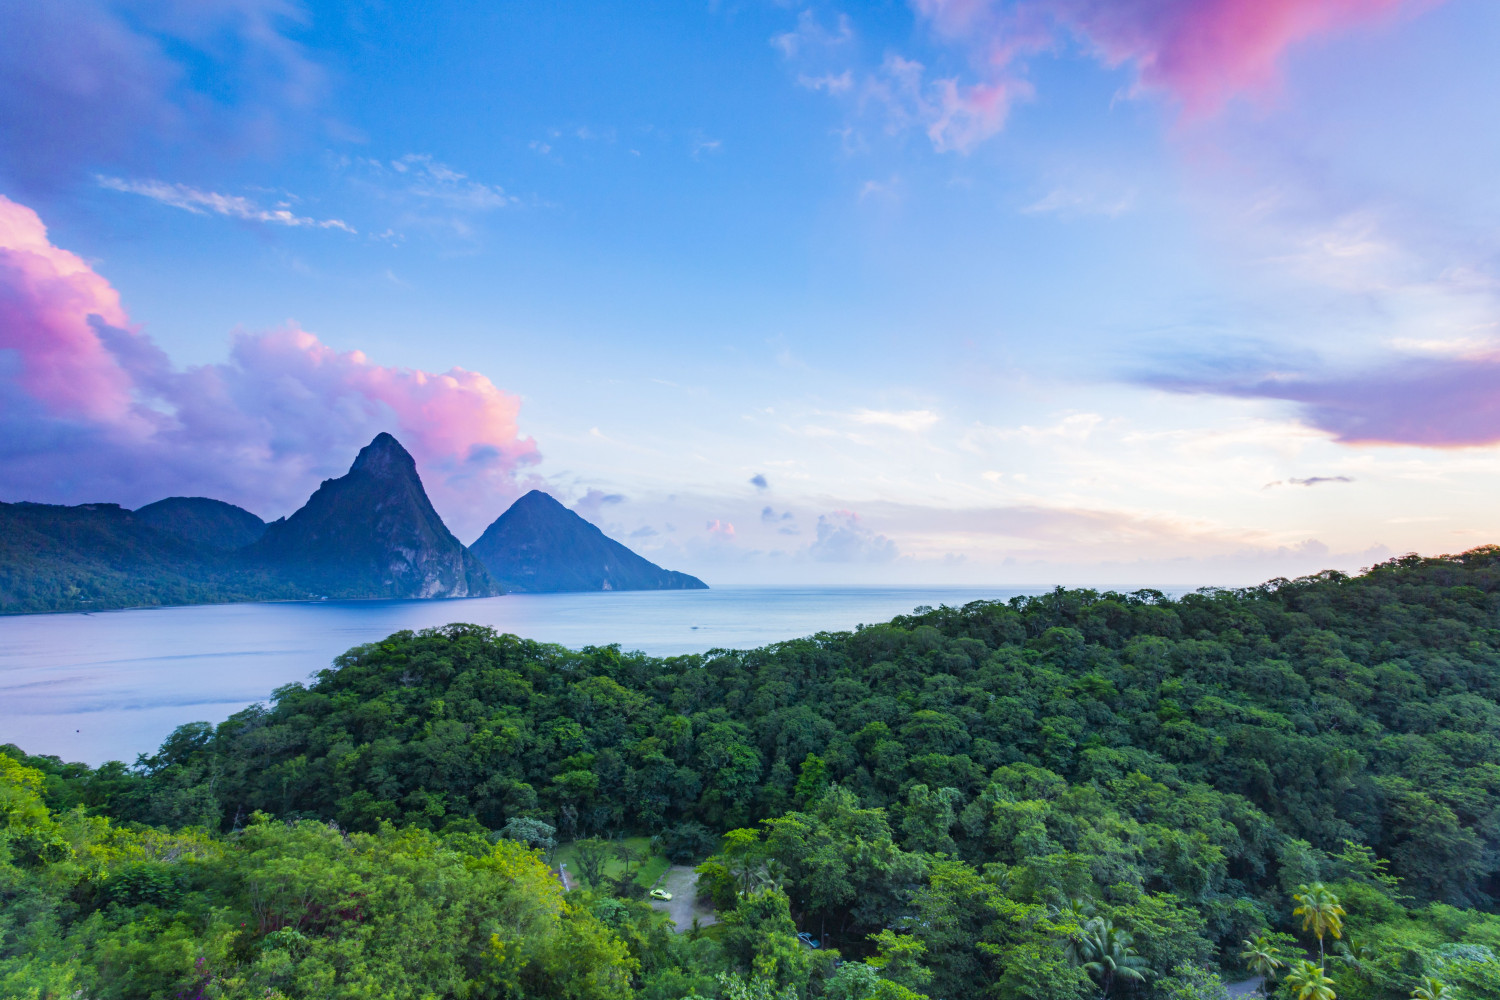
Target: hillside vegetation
1065, 796
94, 557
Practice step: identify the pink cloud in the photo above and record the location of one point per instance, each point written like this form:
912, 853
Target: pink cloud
1427, 402
968, 115
1201, 52
49, 302
1205, 52
91, 409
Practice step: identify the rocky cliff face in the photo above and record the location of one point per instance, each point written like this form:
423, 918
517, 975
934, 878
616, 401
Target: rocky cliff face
373, 533
538, 545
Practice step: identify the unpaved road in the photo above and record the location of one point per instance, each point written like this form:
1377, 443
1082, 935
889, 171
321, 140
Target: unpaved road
1245, 989
682, 882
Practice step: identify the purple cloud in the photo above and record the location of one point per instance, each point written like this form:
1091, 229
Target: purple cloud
1430, 402
93, 83
843, 538
1309, 481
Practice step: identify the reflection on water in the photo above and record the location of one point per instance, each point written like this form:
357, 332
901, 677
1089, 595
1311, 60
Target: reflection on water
112, 684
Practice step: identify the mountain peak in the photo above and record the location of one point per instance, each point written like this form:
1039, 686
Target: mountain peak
540, 500
539, 545
374, 533
384, 456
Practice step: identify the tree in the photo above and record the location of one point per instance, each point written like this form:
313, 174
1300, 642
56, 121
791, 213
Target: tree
1192, 982
1355, 955
859, 981
1307, 982
761, 938
627, 854
1431, 989
736, 988
899, 959
811, 780
1263, 958
592, 855
1321, 913
530, 831
743, 851
1108, 955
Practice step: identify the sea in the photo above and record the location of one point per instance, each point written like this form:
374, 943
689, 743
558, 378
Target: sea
111, 685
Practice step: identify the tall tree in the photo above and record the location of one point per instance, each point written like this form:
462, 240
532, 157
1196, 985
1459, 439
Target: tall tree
1321, 913
627, 854
592, 854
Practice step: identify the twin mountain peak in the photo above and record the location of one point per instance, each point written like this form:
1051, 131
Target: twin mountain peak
370, 533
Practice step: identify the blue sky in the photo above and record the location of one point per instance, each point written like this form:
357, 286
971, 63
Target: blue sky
983, 291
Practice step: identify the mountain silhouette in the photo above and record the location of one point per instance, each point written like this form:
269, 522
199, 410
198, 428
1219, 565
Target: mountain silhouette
540, 546
372, 533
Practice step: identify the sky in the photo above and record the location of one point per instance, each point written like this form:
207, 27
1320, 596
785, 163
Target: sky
1013, 292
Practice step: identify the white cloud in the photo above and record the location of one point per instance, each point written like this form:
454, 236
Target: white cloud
833, 84
434, 180
211, 202
810, 34
912, 421
1069, 202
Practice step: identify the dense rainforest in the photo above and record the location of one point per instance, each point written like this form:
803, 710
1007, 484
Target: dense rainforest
1068, 796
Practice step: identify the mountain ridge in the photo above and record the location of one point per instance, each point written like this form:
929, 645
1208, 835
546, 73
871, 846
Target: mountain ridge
203, 521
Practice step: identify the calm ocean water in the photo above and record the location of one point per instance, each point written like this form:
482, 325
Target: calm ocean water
112, 684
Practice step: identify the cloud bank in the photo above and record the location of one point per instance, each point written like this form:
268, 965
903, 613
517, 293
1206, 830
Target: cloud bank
91, 409
1432, 402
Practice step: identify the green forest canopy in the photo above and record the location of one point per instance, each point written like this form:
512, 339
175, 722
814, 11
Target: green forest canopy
961, 803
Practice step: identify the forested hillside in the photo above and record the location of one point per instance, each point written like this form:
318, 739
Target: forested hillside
1057, 797
94, 557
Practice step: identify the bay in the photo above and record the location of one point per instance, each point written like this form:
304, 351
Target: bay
110, 685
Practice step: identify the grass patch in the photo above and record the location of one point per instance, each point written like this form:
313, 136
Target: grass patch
646, 871
652, 869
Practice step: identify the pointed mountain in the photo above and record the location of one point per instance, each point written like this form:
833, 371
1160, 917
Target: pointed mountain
540, 546
373, 533
199, 521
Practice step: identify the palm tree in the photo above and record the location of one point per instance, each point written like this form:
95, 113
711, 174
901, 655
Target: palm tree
1074, 911
772, 874
1108, 955
1308, 982
1262, 957
1354, 955
1431, 989
1321, 913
